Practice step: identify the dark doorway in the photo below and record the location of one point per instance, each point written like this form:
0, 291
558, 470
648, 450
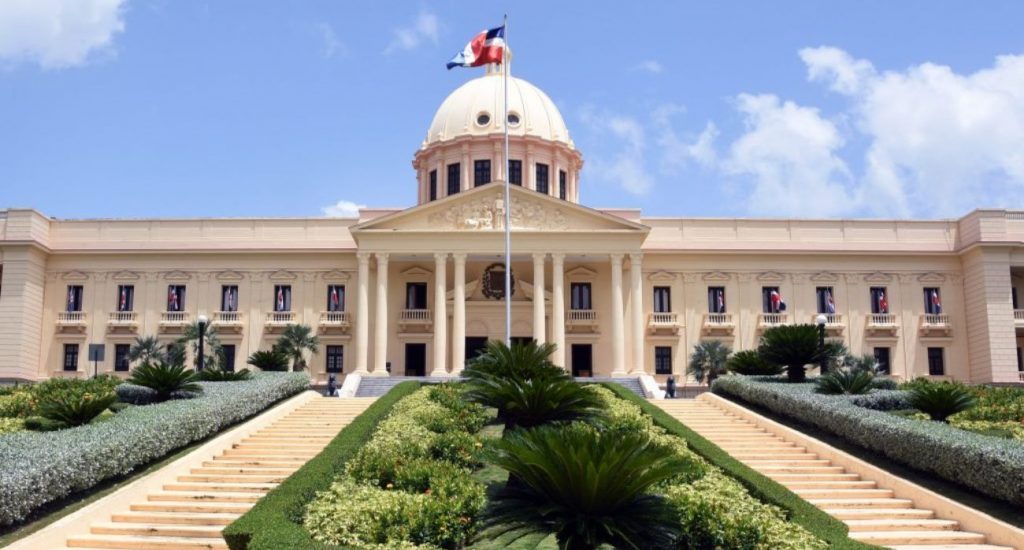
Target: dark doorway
521, 340
582, 360
415, 295
475, 346
228, 351
415, 359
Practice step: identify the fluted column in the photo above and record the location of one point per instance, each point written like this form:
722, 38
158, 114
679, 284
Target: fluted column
636, 312
440, 316
362, 312
618, 345
459, 315
380, 325
558, 308
539, 330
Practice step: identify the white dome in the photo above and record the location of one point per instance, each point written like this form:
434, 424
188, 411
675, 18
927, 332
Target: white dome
471, 109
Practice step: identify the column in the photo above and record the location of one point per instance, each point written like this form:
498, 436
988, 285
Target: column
440, 316
362, 311
465, 173
380, 318
539, 330
618, 346
558, 308
636, 307
459, 315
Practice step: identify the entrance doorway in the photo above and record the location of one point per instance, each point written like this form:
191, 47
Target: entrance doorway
415, 359
475, 346
582, 358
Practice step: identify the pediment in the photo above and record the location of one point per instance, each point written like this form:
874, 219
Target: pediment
878, 277
581, 273
771, 277
74, 276
932, 277
417, 271
125, 276
229, 276
717, 276
824, 277
282, 275
336, 275
482, 209
177, 276
662, 277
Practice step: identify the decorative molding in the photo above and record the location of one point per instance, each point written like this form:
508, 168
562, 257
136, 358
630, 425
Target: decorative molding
417, 271
581, 272
771, 277
932, 277
309, 276
824, 277
203, 276
906, 278
853, 278
799, 278
717, 276
744, 277
336, 275
690, 278
100, 276
283, 275
230, 276
662, 277
125, 276
151, 277
256, 276
488, 213
177, 276
75, 276
878, 277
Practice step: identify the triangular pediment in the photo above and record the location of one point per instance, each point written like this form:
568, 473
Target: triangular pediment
878, 277
482, 209
932, 277
177, 276
336, 275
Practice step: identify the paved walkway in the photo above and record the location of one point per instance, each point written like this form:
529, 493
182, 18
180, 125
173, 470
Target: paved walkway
190, 508
874, 513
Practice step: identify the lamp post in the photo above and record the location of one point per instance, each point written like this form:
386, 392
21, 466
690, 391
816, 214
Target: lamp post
821, 320
202, 321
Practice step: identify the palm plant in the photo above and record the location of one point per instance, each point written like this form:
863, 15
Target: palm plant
843, 381
165, 379
146, 349
587, 488
295, 340
75, 409
795, 347
521, 360
220, 375
708, 361
271, 360
528, 402
212, 348
750, 363
866, 363
940, 401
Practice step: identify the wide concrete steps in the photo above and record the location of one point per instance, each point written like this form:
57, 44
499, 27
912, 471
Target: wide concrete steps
873, 513
192, 511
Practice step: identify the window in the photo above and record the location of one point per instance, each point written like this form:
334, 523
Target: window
662, 360
826, 302
125, 297
932, 301
415, 295
879, 300
1020, 359
483, 119
335, 297
454, 178
282, 298
662, 299
481, 172
716, 299
936, 362
1013, 297
229, 298
121, 363
433, 185
542, 178
176, 298
579, 296
70, 357
74, 299
515, 172
561, 184
227, 357
771, 299
335, 358
882, 360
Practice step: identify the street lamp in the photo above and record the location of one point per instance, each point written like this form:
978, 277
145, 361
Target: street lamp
821, 320
202, 321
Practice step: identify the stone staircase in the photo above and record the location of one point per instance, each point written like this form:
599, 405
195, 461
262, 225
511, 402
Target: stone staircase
376, 386
192, 512
873, 513
631, 384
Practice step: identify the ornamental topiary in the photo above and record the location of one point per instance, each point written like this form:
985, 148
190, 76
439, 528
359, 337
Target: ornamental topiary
942, 400
844, 382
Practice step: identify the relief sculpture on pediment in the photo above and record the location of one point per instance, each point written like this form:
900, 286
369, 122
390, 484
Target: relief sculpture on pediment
487, 213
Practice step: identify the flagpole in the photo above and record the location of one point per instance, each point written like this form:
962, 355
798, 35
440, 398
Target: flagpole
508, 198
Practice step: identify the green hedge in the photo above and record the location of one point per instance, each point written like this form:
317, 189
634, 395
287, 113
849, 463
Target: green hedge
276, 520
799, 510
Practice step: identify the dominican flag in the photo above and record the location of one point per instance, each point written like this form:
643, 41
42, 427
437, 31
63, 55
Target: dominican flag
124, 300
830, 305
883, 304
172, 300
936, 304
280, 299
334, 298
71, 299
720, 301
486, 47
776, 300
229, 300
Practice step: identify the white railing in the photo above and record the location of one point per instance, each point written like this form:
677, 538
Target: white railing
122, 318
416, 316
334, 318
173, 317
771, 319
227, 317
1018, 315
662, 319
70, 317
886, 320
935, 320
280, 318
581, 317
718, 319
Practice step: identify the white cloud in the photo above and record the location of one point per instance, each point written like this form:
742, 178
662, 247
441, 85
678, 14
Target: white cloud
57, 33
847, 75
342, 209
789, 155
676, 151
425, 28
331, 44
650, 66
626, 166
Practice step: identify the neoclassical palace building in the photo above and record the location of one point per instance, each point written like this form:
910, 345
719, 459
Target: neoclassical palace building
418, 291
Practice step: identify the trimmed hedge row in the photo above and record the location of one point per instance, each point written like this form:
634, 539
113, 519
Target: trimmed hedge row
39, 468
990, 465
799, 510
275, 522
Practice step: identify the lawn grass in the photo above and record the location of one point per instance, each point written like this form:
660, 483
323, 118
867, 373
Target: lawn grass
798, 510
275, 522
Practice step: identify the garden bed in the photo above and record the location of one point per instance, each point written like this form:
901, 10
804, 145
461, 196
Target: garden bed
991, 465
42, 467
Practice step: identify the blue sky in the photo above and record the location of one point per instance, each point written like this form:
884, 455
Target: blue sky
136, 108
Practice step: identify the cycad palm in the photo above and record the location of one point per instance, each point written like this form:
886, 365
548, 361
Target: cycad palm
294, 341
709, 361
521, 360
793, 346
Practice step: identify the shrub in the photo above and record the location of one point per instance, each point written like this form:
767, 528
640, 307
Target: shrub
54, 387
882, 400
166, 379
76, 410
996, 405
940, 401
525, 361
708, 361
10, 425
220, 375
41, 424
795, 347
849, 382
136, 395
884, 383
294, 341
525, 403
18, 404
272, 360
43, 467
457, 447
750, 363
990, 465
